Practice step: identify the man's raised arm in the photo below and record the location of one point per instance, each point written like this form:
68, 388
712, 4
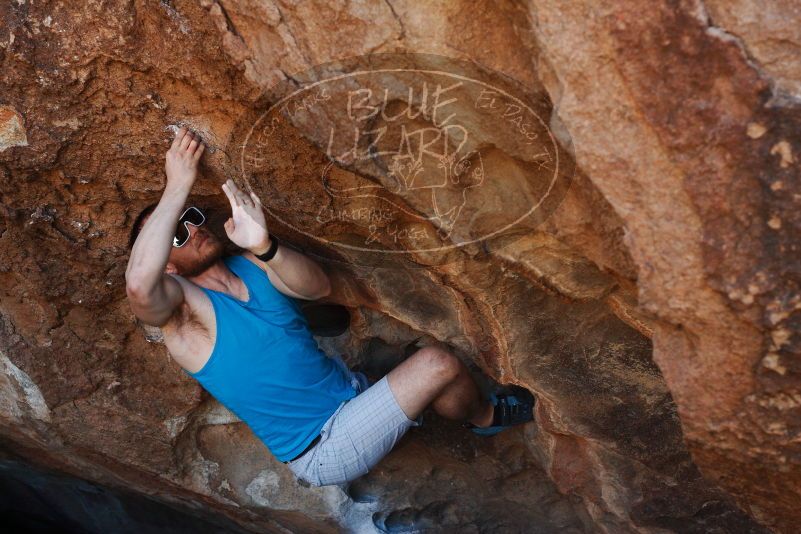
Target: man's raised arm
153, 294
301, 275
290, 272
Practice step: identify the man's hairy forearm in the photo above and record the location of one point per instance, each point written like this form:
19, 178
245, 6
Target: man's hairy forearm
152, 247
300, 274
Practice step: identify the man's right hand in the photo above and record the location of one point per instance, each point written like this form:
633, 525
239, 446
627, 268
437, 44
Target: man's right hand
182, 159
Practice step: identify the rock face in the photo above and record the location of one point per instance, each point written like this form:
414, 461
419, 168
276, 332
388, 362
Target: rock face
33, 498
653, 309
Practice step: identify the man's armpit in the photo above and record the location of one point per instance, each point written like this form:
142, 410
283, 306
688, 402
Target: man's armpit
184, 319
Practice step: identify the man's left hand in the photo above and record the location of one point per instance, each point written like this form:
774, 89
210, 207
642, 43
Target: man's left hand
246, 227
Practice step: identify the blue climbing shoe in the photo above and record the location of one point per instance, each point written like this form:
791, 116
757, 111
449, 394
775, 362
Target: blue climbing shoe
512, 407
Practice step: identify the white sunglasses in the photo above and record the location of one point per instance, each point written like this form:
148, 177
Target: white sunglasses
192, 216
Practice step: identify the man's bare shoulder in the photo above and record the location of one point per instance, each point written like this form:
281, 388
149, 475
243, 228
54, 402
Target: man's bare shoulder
193, 309
254, 260
272, 276
190, 333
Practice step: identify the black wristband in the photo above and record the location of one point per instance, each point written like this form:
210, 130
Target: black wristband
267, 256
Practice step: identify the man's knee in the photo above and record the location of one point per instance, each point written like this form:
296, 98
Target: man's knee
439, 363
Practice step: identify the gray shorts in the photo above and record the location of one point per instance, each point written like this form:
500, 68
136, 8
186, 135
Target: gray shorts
358, 434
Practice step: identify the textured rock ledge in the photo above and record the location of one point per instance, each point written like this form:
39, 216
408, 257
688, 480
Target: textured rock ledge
657, 306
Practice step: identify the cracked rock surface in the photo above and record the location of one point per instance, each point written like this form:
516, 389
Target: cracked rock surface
654, 313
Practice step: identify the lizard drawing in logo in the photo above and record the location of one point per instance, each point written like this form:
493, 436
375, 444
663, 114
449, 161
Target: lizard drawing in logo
435, 185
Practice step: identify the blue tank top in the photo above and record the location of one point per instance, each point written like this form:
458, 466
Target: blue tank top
267, 368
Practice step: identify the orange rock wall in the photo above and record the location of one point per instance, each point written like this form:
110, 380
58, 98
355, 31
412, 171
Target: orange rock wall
654, 313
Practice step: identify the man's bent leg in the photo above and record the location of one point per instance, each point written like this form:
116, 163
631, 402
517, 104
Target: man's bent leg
434, 376
366, 428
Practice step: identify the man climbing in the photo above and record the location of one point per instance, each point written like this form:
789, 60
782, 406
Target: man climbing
232, 323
